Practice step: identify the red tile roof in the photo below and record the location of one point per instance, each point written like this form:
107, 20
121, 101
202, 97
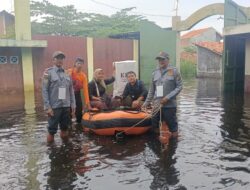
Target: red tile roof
216, 47
194, 33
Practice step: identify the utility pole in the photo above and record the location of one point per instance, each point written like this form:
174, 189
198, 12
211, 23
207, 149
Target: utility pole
176, 7
11, 7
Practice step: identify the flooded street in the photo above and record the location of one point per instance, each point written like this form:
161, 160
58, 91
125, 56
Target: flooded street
213, 151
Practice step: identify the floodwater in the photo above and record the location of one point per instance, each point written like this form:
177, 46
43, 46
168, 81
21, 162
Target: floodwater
211, 153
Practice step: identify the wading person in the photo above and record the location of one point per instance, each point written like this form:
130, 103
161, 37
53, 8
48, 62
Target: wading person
166, 84
58, 97
80, 82
97, 90
134, 92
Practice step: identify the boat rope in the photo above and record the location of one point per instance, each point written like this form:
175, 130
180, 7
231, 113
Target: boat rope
139, 122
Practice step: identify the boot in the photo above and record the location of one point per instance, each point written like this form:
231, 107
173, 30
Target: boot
50, 138
165, 134
64, 135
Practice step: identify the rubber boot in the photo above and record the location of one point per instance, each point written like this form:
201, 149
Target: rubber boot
165, 134
50, 138
64, 135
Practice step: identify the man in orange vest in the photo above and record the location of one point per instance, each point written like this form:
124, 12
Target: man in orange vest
80, 82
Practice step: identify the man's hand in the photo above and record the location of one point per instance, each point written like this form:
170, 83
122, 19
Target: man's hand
50, 112
164, 100
88, 106
118, 97
97, 98
136, 104
144, 108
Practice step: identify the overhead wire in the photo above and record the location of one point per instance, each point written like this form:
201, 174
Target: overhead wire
135, 12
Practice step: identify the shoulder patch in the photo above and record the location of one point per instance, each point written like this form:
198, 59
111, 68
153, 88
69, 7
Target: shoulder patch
170, 72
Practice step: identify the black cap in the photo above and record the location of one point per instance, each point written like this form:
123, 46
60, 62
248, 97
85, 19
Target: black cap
162, 55
79, 59
57, 54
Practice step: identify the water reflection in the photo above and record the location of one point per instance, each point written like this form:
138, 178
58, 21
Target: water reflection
163, 170
118, 150
30, 141
208, 88
61, 172
232, 116
10, 102
212, 152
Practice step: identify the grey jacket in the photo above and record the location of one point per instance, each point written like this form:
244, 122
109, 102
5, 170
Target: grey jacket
171, 81
53, 79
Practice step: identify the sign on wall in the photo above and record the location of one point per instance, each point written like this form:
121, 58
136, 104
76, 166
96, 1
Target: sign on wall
14, 60
3, 59
121, 68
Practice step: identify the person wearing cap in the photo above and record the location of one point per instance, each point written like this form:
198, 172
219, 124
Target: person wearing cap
58, 97
80, 82
134, 92
166, 84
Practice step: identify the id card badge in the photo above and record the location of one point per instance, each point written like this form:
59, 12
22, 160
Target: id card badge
62, 93
159, 91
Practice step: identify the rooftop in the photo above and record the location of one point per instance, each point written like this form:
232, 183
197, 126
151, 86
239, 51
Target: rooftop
198, 32
216, 47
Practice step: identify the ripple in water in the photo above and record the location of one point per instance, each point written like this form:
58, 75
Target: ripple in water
211, 153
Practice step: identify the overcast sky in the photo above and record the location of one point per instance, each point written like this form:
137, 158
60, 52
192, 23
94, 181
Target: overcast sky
158, 11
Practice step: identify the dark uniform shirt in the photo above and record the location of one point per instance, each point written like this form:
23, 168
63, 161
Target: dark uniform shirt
135, 91
170, 80
53, 79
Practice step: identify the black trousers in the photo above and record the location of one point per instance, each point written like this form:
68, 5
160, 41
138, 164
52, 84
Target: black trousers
62, 117
78, 106
169, 116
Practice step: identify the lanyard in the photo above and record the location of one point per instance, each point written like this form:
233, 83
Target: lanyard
162, 75
164, 72
61, 78
97, 89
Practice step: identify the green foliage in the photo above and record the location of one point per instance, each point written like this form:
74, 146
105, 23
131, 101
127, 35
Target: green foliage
10, 33
188, 69
190, 49
66, 20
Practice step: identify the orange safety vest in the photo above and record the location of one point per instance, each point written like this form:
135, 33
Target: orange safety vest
80, 81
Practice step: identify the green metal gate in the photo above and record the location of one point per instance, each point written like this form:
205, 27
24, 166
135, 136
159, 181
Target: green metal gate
154, 39
234, 64
234, 49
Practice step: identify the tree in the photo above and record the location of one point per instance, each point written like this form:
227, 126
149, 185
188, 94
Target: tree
66, 20
190, 49
10, 33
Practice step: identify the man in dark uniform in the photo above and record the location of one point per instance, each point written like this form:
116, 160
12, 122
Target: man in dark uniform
58, 97
166, 84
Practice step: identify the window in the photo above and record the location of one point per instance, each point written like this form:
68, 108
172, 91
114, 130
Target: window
3, 59
14, 60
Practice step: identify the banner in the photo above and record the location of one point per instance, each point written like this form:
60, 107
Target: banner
121, 68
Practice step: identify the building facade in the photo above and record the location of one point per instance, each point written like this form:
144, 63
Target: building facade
209, 59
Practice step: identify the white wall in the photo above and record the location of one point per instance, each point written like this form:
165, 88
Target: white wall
247, 61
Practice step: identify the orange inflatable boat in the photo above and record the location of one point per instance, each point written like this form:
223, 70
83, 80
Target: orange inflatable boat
113, 122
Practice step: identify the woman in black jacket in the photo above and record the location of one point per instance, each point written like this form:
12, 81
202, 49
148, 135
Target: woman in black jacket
97, 90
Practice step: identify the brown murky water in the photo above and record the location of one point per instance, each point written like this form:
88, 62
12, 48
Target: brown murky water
212, 152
